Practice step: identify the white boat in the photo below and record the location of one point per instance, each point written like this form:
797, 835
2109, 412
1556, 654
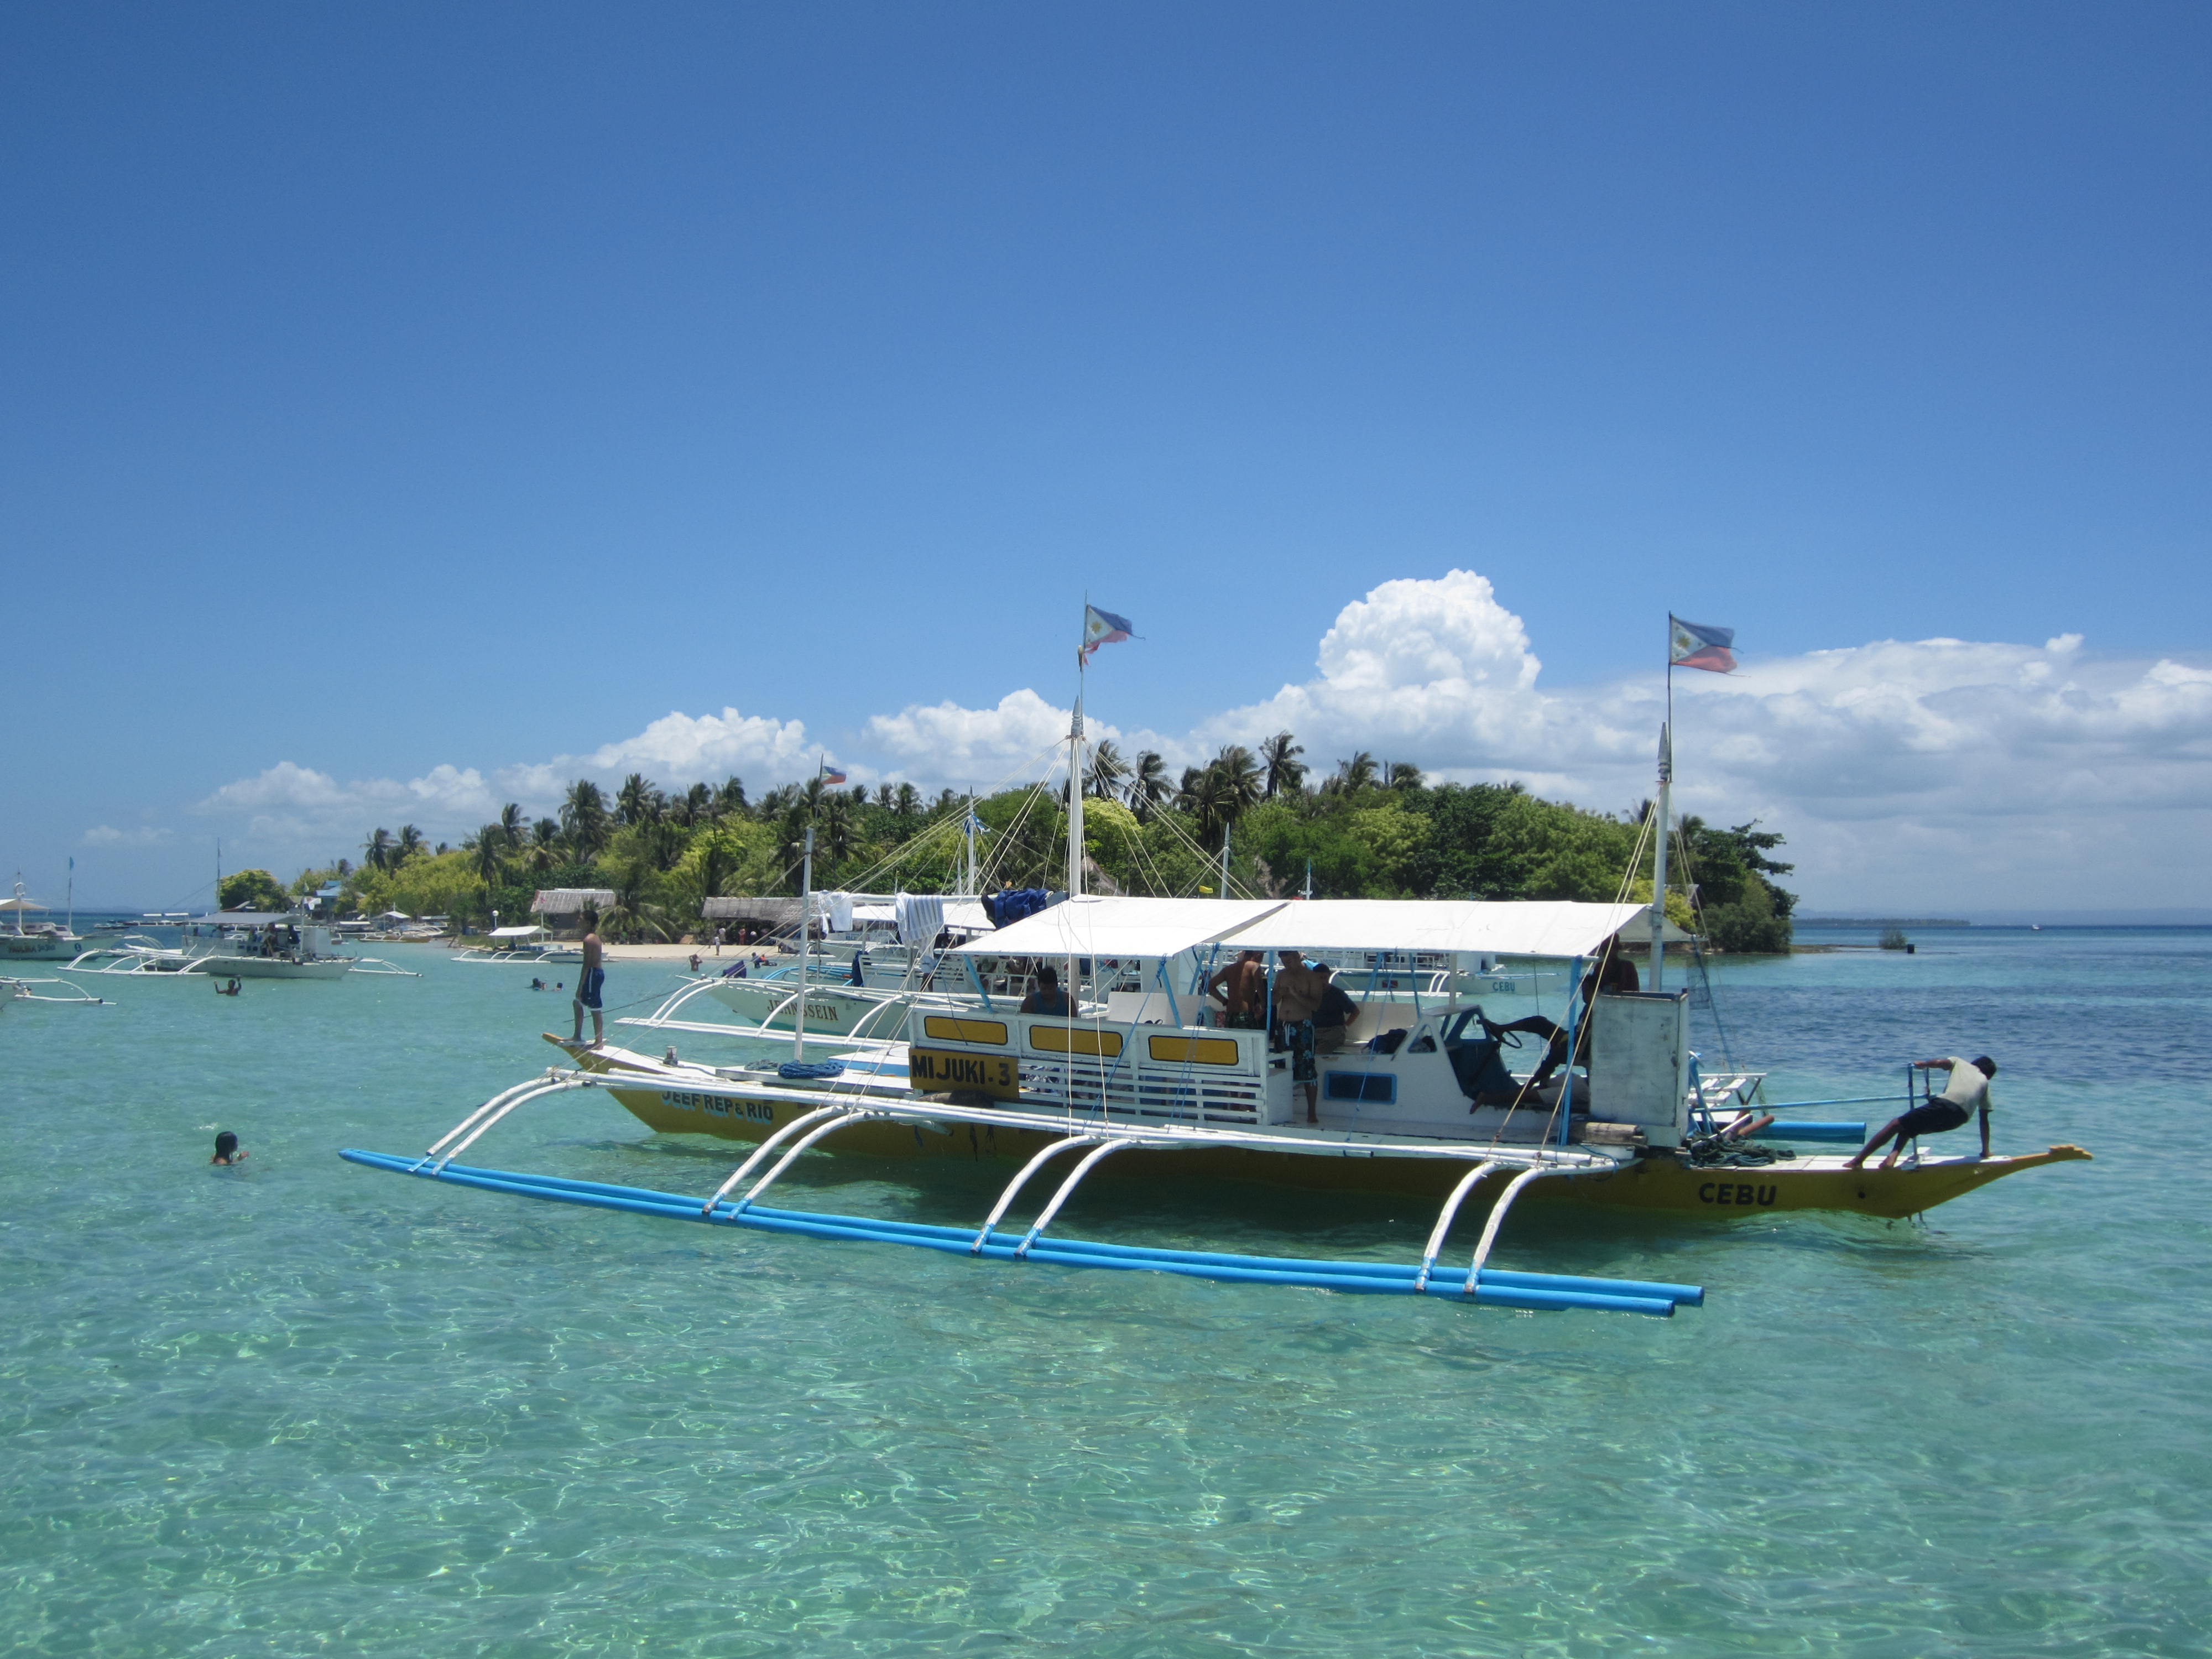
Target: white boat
43, 990
237, 945
1608, 1107
520, 945
38, 941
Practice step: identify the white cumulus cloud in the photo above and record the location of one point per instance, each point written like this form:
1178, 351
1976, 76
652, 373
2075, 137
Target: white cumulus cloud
944, 744
1937, 771
676, 747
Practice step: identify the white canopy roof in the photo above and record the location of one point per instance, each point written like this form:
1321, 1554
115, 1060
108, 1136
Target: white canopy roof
515, 933
1090, 926
1475, 926
245, 918
16, 904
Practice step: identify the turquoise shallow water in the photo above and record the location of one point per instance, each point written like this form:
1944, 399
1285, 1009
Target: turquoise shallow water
306, 1407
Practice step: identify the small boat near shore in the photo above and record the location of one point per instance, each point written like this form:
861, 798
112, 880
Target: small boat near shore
521, 946
239, 944
36, 941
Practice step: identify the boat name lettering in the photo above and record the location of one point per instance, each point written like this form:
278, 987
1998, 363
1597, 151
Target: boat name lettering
938, 1069
1734, 1192
720, 1105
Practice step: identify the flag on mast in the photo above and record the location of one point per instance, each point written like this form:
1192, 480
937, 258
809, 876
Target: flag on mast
1101, 628
833, 774
1690, 645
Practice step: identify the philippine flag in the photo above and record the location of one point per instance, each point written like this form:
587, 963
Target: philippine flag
1690, 646
833, 774
1101, 628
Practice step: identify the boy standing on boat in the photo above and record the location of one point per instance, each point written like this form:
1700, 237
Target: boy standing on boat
1966, 1094
589, 981
1298, 991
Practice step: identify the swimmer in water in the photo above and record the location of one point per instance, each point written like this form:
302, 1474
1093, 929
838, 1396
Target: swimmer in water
227, 1149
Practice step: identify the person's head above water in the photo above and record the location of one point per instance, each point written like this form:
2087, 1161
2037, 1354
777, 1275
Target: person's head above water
226, 1147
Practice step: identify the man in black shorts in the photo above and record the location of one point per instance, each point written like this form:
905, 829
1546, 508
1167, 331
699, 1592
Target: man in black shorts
1966, 1094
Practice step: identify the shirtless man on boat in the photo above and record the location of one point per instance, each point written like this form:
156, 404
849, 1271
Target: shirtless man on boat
589, 982
1966, 1094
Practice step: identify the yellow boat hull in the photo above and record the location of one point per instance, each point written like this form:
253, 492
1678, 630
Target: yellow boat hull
1656, 1181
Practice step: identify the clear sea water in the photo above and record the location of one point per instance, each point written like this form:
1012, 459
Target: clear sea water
304, 1407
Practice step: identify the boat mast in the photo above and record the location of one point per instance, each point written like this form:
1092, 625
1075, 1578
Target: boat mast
18, 904
806, 929
1659, 854
1068, 984
69, 926
1075, 789
967, 829
1224, 861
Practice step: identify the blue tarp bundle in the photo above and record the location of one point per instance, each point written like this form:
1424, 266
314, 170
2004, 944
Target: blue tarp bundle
801, 1068
1013, 905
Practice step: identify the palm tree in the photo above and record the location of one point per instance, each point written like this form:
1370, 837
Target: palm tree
376, 851
730, 799
1241, 778
636, 801
410, 843
511, 827
545, 832
1206, 798
1404, 774
839, 822
584, 817
907, 804
1108, 771
1287, 773
698, 803
1354, 775
790, 835
1148, 783
491, 840
633, 912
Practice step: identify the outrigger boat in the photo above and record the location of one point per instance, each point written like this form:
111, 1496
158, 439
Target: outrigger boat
237, 945
1419, 1101
520, 945
40, 941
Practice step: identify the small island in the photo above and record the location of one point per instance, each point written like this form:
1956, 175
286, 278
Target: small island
1366, 829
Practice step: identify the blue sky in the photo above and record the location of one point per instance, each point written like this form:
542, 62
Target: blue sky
404, 387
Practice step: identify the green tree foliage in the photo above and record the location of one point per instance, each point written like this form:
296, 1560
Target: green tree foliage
1372, 830
252, 889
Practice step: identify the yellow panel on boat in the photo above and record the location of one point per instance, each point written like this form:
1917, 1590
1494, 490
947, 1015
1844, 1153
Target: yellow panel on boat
940, 1069
1204, 1051
945, 1029
1059, 1040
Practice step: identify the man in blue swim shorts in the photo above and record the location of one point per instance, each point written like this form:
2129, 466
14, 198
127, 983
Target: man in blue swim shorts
589, 981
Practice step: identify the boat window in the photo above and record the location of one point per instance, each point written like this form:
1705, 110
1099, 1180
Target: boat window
1059, 1040
1367, 1088
945, 1029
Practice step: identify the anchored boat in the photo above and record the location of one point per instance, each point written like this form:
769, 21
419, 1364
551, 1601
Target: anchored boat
38, 941
1420, 1096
